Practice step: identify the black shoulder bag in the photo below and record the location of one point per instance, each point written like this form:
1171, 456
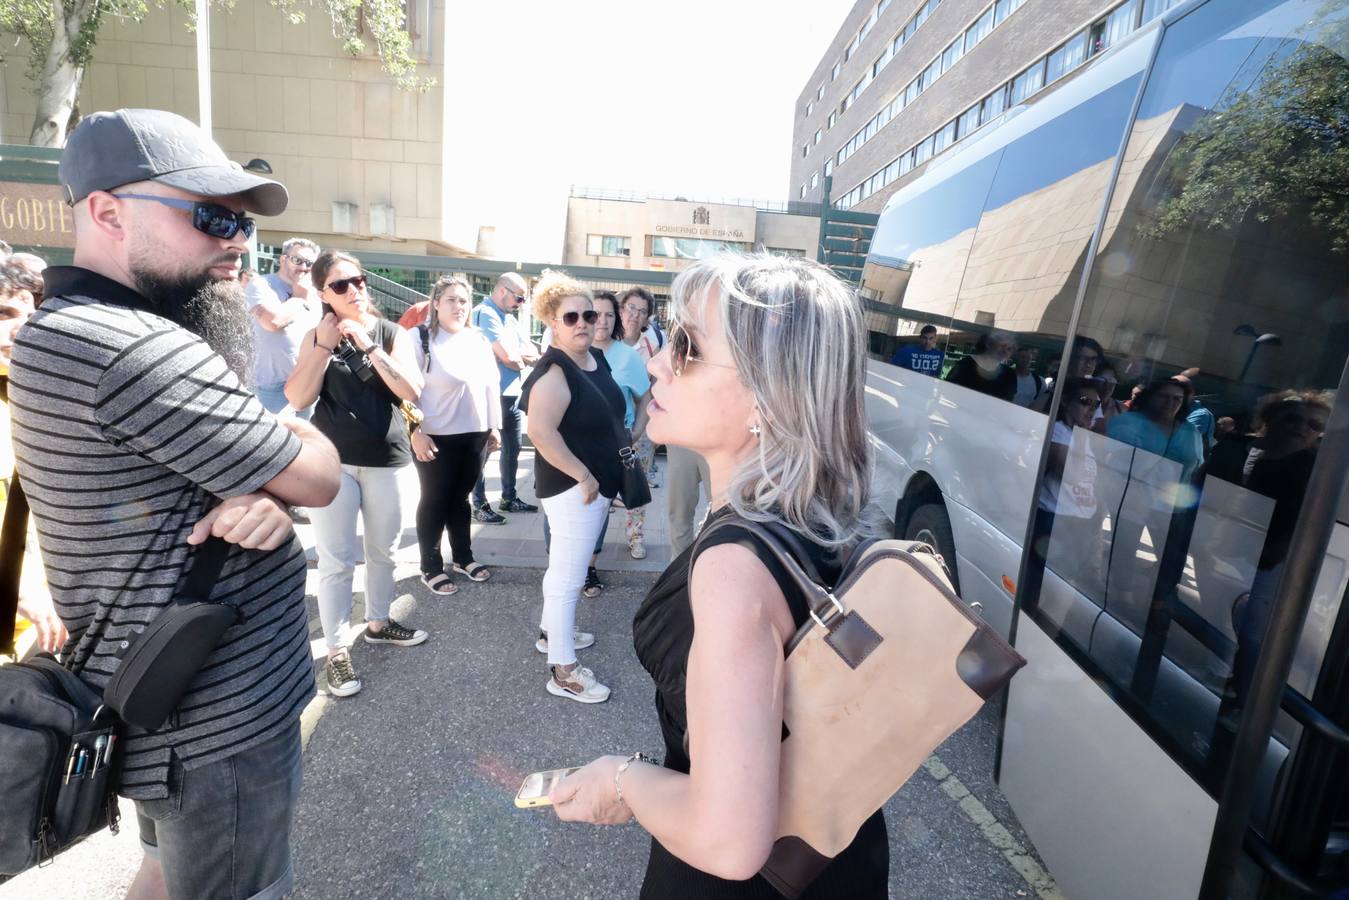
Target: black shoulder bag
59, 741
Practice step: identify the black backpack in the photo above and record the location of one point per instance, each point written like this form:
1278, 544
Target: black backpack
56, 741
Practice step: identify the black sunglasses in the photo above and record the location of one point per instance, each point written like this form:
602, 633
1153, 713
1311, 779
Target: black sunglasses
208, 218
339, 287
300, 262
571, 318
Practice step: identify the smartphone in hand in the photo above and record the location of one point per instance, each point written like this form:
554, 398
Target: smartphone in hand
534, 792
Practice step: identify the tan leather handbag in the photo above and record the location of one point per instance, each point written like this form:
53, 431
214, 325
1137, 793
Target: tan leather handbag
890, 665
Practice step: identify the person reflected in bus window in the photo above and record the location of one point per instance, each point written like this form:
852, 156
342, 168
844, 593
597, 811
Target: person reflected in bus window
1107, 381
1132, 402
1156, 423
1224, 428
1029, 384
986, 369
1068, 493
922, 357
1275, 461
1086, 355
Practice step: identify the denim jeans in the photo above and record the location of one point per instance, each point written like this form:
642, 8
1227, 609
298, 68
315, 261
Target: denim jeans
273, 399
370, 492
511, 418
577, 524
224, 829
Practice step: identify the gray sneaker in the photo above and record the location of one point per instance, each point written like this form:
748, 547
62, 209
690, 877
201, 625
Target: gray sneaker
341, 677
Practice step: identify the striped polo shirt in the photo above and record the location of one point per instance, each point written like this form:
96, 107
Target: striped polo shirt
127, 428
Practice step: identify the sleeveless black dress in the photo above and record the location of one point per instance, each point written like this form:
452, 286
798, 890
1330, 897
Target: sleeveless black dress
662, 635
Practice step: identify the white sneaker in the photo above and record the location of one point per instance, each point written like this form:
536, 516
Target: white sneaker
582, 639
579, 684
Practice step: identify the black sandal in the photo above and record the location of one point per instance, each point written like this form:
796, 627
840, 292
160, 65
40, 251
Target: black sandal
440, 583
475, 571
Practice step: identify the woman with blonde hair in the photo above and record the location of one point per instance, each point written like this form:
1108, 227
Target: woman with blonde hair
461, 406
575, 417
763, 375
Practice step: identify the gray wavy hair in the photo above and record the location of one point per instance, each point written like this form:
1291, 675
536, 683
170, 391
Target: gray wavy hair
798, 339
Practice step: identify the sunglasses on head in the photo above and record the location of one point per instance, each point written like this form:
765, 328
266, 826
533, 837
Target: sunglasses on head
571, 318
301, 262
339, 287
208, 218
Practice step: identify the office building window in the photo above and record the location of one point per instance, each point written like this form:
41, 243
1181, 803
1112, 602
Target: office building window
1066, 58
833, 73
968, 121
696, 248
1028, 82
810, 108
802, 193
608, 245
953, 52
814, 181
805, 150
833, 117
828, 167
979, 30
818, 132
819, 91
1001, 10
993, 105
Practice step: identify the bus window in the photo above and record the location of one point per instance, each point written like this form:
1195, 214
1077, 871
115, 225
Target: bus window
1025, 264
1218, 296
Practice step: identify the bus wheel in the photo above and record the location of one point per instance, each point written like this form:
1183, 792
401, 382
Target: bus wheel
930, 525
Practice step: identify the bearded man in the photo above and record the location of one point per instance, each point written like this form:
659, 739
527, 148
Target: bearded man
136, 441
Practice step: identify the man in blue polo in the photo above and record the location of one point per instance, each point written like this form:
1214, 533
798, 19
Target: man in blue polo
923, 356
514, 352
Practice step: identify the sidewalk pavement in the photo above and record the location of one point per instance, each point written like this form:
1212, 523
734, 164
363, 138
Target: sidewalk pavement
409, 784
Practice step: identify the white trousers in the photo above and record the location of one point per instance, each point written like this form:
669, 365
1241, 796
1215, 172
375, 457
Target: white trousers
575, 525
372, 493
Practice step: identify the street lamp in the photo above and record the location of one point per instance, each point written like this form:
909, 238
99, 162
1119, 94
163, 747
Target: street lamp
1272, 340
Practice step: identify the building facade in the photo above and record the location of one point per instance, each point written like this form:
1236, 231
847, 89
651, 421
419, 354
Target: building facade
362, 159
633, 231
905, 80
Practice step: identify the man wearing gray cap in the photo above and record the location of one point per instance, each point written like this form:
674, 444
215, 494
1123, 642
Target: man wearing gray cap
136, 440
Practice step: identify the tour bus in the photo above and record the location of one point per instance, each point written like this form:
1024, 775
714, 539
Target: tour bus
1131, 436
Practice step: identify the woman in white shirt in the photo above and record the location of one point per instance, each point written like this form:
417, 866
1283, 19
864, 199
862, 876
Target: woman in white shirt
461, 403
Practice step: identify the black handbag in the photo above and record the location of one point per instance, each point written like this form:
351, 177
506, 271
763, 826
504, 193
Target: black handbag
633, 488
58, 746
161, 662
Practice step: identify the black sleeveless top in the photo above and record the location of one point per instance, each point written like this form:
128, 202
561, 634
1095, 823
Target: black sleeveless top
662, 634
589, 427
361, 418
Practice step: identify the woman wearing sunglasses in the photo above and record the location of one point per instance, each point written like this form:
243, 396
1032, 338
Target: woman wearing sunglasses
575, 414
763, 375
360, 368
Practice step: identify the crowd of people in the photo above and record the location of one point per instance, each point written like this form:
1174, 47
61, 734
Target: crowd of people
212, 409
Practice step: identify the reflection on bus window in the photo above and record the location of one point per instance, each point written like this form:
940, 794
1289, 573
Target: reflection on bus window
923, 355
985, 370
1217, 304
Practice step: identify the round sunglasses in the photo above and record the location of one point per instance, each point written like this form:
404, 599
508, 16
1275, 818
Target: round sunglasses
571, 318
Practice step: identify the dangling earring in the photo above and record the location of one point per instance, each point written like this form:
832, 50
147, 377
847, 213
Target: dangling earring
755, 430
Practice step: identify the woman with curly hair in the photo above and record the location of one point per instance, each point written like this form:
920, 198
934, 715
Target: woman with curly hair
575, 416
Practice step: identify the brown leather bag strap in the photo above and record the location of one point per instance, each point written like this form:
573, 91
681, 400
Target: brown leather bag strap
821, 602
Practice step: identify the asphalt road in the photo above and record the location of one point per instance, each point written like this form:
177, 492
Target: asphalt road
408, 785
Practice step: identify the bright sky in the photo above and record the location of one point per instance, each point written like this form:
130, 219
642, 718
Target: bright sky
692, 98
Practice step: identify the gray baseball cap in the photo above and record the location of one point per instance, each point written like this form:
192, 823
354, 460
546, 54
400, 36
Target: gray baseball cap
110, 149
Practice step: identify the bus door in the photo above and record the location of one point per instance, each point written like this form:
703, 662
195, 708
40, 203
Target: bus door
1181, 500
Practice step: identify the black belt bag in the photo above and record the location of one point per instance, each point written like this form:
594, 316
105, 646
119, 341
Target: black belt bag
164, 658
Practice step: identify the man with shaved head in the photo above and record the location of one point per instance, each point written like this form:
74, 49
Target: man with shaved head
495, 316
137, 442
